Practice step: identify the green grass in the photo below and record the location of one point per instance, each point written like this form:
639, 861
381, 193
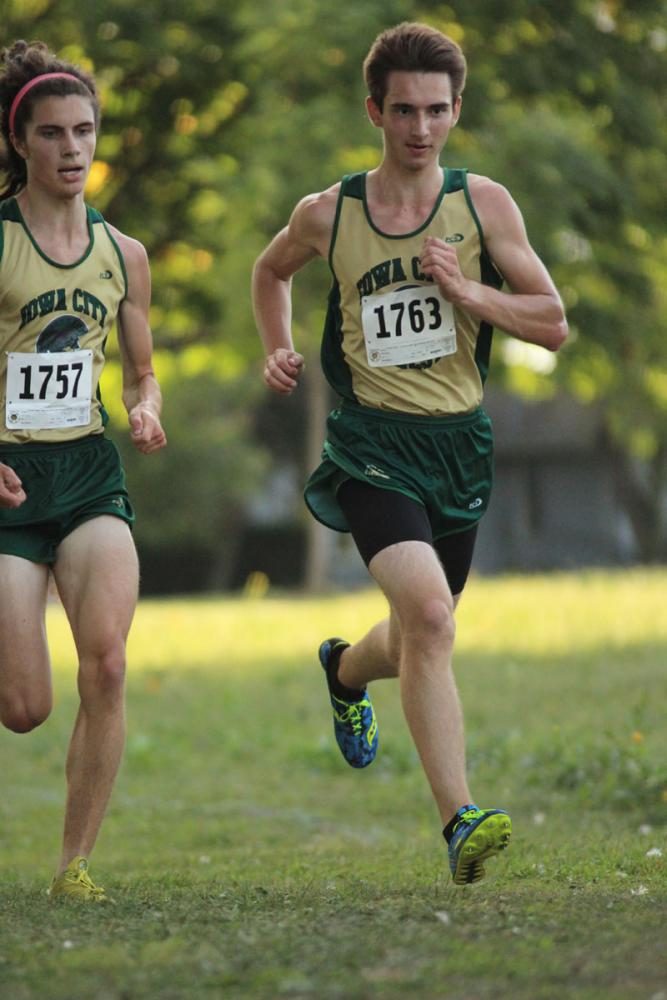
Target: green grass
247, 860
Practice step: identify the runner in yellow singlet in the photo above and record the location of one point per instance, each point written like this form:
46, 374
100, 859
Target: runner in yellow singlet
418, 255
66, 277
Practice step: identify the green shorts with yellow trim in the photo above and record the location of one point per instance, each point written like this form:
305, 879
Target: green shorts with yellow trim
66, 483
444, 463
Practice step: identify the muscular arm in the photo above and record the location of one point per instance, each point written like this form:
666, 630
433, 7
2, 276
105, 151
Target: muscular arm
306, 236
532, 310
141, 392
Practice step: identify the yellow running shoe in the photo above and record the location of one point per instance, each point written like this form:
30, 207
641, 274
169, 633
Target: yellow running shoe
478, 834
76, 883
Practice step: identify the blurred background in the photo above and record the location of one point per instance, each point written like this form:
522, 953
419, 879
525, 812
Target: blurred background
218, 116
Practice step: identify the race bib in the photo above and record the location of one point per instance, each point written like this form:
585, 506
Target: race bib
50, 390
408, 325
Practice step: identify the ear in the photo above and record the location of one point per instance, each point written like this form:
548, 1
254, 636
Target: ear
18, 145
373, 112
457, 109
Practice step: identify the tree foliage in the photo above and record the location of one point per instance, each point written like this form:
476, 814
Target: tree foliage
218, 117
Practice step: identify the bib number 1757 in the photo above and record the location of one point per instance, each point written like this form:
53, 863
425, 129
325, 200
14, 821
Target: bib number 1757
63, 376
49, 390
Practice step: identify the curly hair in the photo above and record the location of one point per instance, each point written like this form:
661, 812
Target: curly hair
21, 63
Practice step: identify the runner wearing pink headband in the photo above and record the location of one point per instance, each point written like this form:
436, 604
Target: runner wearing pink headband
67, 277
32, 83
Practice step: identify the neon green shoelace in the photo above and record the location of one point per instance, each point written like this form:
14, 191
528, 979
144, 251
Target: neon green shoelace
352, 716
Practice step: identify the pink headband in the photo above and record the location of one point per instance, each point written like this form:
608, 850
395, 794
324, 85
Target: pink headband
32, 83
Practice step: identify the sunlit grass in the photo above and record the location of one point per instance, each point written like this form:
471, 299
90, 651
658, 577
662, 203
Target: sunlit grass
247, 861
541, 615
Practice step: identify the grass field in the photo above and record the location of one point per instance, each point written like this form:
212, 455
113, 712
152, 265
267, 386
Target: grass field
246, 860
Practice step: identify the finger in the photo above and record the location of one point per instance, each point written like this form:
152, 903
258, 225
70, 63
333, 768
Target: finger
284, 390
13, 499
10, 479
277, 378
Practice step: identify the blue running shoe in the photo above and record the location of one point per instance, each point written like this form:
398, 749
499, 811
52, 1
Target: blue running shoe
478, 834
354, 722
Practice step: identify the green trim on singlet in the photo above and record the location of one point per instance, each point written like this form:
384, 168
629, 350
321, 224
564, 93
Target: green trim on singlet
8, 213
54, 263
456, 178
490, 276
119, 252
400, 236
331, 350
9, 210
332, 357
339, 208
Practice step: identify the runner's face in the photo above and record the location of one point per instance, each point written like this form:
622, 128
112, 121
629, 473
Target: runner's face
416, 117
59, 144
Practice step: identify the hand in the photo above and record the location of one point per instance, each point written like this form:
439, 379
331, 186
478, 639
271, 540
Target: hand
282, 369
439, 261
145, 429
12, 493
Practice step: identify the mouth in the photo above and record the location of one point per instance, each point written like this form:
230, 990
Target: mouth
70, 173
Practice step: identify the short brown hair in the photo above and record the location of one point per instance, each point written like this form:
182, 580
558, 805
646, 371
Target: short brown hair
412, 47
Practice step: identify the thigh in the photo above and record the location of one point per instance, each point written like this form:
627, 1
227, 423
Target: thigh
24, 658
455, 553
412, 579
379, 517
97, 575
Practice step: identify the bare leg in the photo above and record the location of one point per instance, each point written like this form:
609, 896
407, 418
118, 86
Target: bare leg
25, 674
374, 657
97, 576
421, 630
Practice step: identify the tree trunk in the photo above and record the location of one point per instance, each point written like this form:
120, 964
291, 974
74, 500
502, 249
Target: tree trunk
319, 540
642, 490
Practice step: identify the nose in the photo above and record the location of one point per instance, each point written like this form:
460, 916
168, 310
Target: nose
420, 124
70, 145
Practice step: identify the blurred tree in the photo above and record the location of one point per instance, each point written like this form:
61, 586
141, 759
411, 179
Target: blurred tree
566, 105
218, 117
164, 173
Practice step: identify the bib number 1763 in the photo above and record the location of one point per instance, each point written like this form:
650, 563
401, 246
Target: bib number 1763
407, 326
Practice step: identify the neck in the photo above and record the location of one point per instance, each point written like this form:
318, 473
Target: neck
396, 186
58, 225
63, 216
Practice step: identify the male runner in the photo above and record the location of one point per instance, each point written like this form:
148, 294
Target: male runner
65, 278
418, 254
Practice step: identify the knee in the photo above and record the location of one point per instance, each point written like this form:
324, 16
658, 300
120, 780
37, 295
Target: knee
432, 623
103, 674
20, 715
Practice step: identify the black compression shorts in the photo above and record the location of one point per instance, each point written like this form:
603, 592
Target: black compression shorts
379, 518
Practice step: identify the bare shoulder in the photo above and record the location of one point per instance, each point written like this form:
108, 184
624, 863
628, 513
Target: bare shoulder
489, 195
313, 218
137, 268
498, 212
134, 252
